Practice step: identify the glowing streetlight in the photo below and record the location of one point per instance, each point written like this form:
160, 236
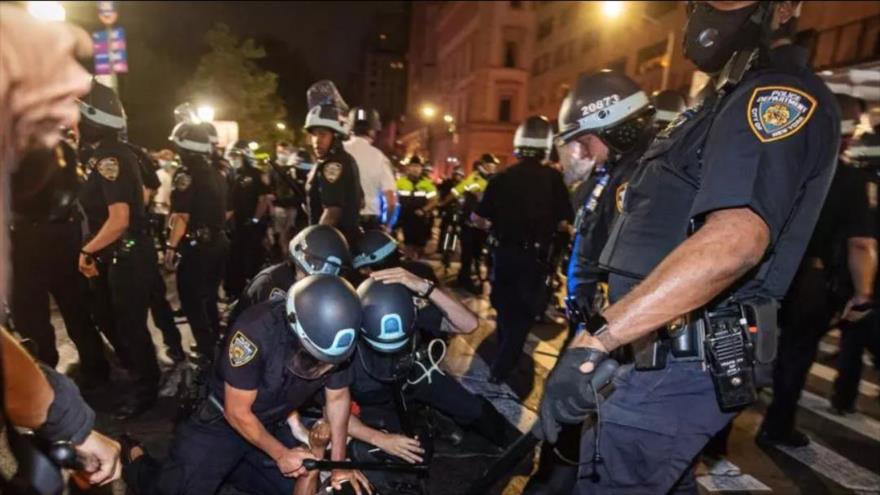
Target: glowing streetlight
448, 119
280, 126
428, 111
47, 11
205, 113
612, 10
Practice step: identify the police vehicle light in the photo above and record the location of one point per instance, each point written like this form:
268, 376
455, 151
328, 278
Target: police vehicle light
253, 146
612, 10
47, 11
205, 113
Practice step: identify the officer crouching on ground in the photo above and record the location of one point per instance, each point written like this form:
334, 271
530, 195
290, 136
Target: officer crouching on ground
334, 187
317, 249
277, 357
197, 244
119, 255
524, 205
714, 225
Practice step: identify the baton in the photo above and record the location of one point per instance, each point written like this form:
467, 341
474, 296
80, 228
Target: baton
312, 465
526, 444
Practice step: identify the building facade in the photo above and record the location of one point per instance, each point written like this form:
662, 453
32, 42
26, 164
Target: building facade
469, 81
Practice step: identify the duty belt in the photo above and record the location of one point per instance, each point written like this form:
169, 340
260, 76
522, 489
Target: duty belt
202, 235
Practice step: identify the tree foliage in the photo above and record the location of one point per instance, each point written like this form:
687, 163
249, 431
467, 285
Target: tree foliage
229, 78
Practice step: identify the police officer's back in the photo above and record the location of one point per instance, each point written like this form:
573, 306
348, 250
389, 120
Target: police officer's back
525, 204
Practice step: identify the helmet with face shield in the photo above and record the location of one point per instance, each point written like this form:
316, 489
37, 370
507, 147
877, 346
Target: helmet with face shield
320, 249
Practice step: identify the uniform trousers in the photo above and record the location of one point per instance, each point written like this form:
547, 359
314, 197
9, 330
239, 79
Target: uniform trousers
246, 257
199, 275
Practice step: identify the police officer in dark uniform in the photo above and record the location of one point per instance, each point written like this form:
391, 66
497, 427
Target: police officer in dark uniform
524, 205
279, 355
46, 237
714, 224
334, 186
613, 151
470, 192
317, 249
119, 255
197, 244
841, 255
250, 207
163, 315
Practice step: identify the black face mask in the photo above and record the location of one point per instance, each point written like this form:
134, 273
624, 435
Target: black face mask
712, 36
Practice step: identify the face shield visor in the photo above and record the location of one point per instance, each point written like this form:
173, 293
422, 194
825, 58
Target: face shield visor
575, 161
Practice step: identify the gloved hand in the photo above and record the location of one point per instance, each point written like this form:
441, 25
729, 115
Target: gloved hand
570, 394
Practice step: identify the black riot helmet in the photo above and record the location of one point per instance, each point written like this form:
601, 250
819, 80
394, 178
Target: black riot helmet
374, 248
851, 109
667, 105
328, 117
606, 104
193, 138
320, 249
389, 315
101, 112
534, 137
363, 120
324, 313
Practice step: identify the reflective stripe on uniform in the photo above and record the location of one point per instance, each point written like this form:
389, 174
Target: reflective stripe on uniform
431, 194
402, 192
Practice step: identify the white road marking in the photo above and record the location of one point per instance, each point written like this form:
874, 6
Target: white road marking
835, 467
829, 374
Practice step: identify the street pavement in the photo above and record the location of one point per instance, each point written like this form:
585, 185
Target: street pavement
844, 457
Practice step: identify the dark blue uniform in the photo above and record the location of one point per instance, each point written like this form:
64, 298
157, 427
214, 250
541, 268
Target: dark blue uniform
246, 252
768, 144
525, 203
200, 190
122, 288
206, 449
335, 182
271, 284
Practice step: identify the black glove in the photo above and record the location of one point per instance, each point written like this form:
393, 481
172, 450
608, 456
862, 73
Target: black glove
569, 394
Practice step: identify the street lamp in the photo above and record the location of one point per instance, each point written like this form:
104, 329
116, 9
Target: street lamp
280, 126
448, 119
47, 11
612, 10
428, 111
205, 113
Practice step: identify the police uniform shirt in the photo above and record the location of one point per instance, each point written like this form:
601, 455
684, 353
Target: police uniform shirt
256, 356
372, 375
270, 284
56, 200
147, 167
769, 145
114, 177
526, 202
335, 182
415, 194
200, 189
471, 190
248, 186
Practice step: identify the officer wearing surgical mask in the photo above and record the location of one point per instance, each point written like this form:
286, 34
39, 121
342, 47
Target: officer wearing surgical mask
611, 147
713, 226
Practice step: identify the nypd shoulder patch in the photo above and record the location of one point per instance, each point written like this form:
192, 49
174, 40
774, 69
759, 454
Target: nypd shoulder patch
182, 181
241, 350
777, 112
332, 171
620, 196
108, 168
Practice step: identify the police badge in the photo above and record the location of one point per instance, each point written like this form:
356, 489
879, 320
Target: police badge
108, 168
241, 350
777, 112
182, 181
332, 172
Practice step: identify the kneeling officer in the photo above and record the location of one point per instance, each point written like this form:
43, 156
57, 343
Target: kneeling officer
278, 355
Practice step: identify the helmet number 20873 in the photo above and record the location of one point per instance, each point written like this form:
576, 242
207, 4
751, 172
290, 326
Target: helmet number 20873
599, 104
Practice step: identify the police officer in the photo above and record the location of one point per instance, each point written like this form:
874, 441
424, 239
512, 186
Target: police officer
842, 256
667, 105
374, 168
334, 188
612, 149
524, 206
163, 315
469, 192
250, 207
418, 197
447, 205
197, 244
714, 224
279, 355
286, 197
46, 238
118, 255
317, 249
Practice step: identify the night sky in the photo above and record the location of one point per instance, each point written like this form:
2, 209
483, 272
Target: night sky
306, 41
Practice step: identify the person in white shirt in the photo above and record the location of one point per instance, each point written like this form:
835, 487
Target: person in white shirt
377, 179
